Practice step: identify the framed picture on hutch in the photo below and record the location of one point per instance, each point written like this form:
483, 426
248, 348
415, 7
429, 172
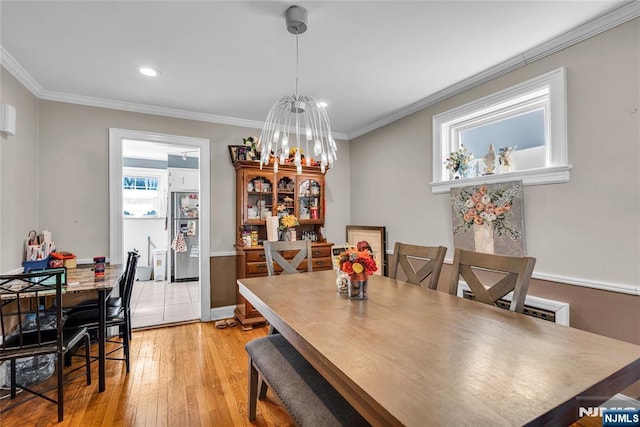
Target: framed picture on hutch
237, 153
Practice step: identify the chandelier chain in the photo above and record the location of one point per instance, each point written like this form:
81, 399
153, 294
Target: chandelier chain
297, 65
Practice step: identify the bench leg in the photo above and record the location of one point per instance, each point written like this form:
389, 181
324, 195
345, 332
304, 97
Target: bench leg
262, 385
263, 388
253, 390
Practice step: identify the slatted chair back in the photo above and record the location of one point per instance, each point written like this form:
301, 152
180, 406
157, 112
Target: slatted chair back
429, 258
122, 281
130, 277
28, 330
117, 315
517, 273
274, 253
14, 313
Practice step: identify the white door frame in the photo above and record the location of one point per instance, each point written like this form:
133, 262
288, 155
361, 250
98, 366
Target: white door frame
116, 137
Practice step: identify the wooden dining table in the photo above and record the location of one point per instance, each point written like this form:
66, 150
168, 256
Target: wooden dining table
413, 356
84, 280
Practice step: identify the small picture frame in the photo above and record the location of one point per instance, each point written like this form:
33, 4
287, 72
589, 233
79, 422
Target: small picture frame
237, 153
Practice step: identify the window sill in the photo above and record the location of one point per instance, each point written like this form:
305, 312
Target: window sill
541, 176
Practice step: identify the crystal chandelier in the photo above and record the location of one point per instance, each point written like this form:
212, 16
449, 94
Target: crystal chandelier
297, 121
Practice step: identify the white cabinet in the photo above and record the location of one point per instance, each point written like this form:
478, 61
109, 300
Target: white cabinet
181, 179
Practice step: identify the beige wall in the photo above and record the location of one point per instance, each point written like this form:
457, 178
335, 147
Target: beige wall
74, 142
61, 159
19, 164
586, 229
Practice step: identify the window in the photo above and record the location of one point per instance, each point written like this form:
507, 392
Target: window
143, 193
140, 183
529, 119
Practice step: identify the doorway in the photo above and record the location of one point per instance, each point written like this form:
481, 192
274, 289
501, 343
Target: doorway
158, 299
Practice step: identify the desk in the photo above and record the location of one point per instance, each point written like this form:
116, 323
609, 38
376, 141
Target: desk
412, 356
87, 282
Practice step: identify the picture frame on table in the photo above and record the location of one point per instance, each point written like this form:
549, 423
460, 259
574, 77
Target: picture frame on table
377, 239
237, 153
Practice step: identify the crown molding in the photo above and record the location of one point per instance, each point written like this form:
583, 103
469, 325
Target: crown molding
155, 110
9, 62
625, 13
90, 101
12, 66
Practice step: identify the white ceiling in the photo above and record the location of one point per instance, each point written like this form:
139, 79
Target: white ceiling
229, 61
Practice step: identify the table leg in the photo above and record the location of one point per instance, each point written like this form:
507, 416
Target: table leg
102, 338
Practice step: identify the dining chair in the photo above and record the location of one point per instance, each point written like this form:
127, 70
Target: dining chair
113, 302
116, 317
428, 258
274, 254
515, 275
30, 331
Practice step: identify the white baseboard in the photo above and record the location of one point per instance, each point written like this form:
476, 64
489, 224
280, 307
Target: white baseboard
225, 312
620, 288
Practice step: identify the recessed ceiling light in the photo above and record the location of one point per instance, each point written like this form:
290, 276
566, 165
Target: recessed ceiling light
148, 71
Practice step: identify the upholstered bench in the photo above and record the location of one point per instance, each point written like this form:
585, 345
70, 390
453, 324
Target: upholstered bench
307, 396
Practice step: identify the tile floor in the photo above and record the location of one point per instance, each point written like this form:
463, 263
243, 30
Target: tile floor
156, 303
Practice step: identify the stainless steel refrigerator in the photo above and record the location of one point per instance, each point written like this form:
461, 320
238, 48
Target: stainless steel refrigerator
185, 235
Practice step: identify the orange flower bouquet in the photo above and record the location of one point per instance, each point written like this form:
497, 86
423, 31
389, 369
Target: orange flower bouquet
358, 262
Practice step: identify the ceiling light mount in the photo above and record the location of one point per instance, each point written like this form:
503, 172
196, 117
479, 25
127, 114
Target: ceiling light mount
296, 17
299, 116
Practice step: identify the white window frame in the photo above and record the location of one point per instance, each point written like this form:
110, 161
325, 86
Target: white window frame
547, 91
161, 176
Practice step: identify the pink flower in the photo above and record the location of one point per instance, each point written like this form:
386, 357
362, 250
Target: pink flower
477, 196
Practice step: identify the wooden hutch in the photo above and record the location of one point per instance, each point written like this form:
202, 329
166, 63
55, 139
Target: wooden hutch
258, 194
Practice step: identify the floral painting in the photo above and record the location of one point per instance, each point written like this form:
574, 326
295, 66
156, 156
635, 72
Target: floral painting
489, 218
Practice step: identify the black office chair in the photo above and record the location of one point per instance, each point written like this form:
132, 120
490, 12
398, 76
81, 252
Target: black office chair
116, 316
29, 331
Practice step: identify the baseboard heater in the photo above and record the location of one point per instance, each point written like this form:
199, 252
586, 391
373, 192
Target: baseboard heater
542, 308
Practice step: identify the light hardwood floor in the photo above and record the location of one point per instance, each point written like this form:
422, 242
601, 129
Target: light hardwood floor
187, 375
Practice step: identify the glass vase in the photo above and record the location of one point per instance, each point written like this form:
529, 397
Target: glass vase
342, 281
285, 235
358, 288
465, 173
